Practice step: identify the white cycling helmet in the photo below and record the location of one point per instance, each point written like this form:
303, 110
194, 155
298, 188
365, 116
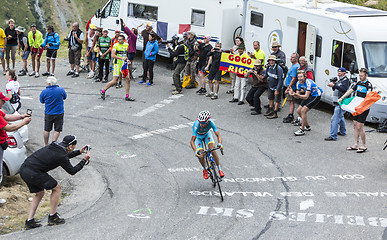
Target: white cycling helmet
204, 116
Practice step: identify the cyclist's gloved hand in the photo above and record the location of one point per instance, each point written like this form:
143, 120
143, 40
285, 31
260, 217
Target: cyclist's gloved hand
197, 153
220, 146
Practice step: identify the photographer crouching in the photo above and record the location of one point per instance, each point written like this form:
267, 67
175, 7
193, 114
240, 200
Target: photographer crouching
34, 173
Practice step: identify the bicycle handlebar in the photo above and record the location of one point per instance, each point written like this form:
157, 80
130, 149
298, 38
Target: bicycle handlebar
212, 149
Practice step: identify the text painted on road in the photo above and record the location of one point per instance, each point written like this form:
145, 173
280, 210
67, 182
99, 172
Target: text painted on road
296, 217
157, 106
162, 130
290, 194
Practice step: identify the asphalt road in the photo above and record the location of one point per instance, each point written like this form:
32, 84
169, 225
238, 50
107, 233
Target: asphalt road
144, 182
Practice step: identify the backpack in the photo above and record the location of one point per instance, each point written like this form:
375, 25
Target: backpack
285, 70
383, 126
15, 98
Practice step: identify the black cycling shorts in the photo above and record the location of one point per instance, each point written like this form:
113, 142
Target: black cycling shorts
362, 117
37, 181
311, 102
56, 120
51, 53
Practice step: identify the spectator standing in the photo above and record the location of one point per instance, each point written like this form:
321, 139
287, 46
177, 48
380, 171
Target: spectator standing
13, 89
151, 50
90, 54
5, 127
24, 47
145, 38
278, 53
51, 43
258, 52
291, 83
240, 80
274, 74
34, 172
339, 86
119, 54
258, 88
361, 89
234, 50
190, 67
35, 40
103, 45
53, 99
75, 39
310, 95
215, 74
180, 53
305, 67
204, 48
132, 39
2, 48
11, 43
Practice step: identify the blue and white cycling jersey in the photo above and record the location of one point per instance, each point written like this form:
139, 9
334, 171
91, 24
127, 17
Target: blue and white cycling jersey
311, 86
199, 131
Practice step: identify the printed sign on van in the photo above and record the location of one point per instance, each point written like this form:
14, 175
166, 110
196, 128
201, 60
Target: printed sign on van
238, 64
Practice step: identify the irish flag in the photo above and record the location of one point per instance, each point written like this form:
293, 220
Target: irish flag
358, 105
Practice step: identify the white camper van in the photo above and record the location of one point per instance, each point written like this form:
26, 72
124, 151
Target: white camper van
330, 34
219, 19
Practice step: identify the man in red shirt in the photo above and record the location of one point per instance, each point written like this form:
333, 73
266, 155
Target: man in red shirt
5, 127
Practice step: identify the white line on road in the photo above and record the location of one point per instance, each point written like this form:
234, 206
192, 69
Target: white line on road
157, 106
306, 204
161, 130
23, 97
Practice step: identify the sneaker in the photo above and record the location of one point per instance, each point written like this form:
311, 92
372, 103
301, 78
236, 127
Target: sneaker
31, 74
199, 91
102, 94
55, 220
31, 224
90, 75
329, 139
75, 75
37, 75
22, 73
176, 92
233, 100
51, 74
288, 119
70, 73
255, 113
341, 134
299, 132
230, 91
129, 99
307, 128
98, 80
268, 112
149, 84
46, 74
273, 115
221, 173
241, 102
142, 82
209, 94
214, 97
296, 122
203, 92
205, 174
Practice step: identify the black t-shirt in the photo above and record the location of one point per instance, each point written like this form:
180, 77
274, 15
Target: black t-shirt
216, 55
13, 40
361, 88
203, 51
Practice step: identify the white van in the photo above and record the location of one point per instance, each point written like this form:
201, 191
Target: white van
330, 34
219, 19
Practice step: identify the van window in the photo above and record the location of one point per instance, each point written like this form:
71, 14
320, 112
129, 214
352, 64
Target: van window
318, 45
112, 9
256, 19
198, 17
343, 55
142, 11
375, 58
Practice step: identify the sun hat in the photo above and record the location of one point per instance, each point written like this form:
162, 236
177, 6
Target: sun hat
272, 57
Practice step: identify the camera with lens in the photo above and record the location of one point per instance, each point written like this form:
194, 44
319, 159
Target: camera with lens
167, 42
334, 79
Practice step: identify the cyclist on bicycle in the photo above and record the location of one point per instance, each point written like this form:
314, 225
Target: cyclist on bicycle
202, 135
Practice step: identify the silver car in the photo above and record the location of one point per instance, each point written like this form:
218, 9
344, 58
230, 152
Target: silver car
15, 154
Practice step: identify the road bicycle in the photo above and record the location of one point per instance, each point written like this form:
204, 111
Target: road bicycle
212, 169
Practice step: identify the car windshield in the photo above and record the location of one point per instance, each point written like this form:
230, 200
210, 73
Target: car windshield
7, 108
375, 58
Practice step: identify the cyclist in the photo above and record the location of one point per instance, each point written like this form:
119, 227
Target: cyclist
201, 134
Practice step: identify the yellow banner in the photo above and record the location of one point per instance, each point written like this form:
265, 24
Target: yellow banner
238, 64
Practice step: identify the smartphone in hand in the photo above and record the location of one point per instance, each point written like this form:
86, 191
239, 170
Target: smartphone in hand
29, 112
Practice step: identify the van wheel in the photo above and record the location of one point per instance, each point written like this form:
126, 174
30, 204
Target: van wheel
3, 177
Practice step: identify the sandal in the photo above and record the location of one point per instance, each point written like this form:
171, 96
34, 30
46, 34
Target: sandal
361, 150
352, 148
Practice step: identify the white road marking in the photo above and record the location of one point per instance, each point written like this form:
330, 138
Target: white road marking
88, 110
23, 97
306, 204
162, 130
158, 105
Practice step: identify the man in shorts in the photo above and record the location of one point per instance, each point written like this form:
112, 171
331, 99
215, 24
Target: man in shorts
215, 74
24, 47
53, 98
51, 43
34, 172
274, 75
309, 94
119, 55
35, 39
2, 48
75, 39
11, 43
204, 48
